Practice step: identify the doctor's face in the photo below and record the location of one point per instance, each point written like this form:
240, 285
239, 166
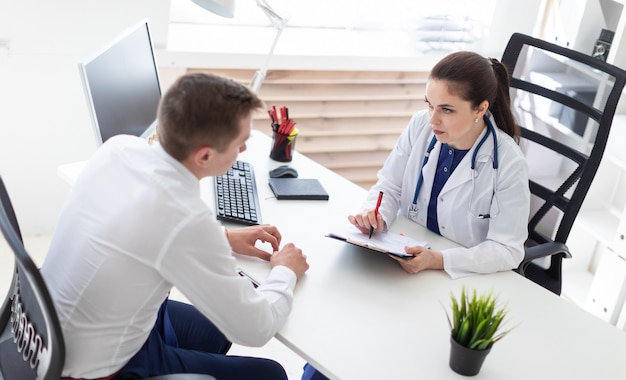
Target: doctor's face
453, 119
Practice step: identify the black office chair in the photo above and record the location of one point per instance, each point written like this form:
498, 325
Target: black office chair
31, 344
566, 125
31, 339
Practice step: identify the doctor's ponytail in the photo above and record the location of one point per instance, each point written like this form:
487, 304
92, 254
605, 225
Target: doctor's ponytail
501, 107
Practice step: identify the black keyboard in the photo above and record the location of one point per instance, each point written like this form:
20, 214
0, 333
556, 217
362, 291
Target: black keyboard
236, 195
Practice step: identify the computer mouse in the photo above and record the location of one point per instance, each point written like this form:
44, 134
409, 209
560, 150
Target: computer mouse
283, 171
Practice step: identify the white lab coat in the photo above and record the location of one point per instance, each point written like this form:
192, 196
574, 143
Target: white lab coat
494, 244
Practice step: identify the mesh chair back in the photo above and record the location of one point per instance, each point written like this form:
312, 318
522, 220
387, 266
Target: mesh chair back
31, 342
565, 102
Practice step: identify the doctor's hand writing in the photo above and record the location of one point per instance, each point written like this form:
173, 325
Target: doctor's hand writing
424, 259
367, 218
243, 240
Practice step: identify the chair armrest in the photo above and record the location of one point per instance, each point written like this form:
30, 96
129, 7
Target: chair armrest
542, 250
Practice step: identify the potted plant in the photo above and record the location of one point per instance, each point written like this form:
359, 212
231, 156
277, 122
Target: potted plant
475, 325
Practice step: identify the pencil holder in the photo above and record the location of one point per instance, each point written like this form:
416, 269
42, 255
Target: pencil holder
283, 146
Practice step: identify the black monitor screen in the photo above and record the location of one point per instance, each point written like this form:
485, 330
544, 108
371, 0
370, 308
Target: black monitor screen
121, 84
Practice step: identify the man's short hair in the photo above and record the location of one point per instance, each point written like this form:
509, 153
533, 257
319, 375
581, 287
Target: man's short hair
202, 109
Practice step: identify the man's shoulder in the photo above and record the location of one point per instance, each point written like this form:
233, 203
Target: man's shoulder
124, 141
122, 146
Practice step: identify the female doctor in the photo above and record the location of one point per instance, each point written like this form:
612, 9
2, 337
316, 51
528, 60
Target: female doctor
457, 169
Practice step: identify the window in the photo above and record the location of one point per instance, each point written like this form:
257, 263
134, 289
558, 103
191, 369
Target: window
419, 26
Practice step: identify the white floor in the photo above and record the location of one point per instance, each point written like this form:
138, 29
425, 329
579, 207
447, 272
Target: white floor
37, 248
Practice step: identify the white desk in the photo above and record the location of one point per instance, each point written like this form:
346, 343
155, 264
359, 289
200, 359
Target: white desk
358, 315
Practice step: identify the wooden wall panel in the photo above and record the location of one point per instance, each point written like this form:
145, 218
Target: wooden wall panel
348, 121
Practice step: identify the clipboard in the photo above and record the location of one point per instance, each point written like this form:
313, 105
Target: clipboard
388, 243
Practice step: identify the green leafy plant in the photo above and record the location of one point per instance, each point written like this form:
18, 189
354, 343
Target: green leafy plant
476, 321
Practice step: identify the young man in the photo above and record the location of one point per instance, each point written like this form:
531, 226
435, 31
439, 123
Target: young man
135, 226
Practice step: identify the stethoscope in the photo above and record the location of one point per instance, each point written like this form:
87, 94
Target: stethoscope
490, 130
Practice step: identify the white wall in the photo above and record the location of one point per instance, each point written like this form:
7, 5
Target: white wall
44, 121
510, 17
43, 116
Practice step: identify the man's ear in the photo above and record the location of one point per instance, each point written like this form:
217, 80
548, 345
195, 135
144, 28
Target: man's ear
202, 156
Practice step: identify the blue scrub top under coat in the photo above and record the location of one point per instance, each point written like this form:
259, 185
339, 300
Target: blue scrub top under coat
449, 159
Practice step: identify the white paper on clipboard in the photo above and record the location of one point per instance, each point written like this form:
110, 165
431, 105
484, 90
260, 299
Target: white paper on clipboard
386, 242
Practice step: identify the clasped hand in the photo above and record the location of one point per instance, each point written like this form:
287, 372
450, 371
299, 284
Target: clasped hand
243, 241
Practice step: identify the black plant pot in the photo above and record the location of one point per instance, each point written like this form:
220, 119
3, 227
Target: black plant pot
465, 361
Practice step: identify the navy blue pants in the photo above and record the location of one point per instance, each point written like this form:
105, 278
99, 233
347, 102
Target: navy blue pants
201, 348
310, 373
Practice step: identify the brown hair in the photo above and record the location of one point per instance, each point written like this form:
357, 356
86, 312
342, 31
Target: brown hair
475, 78
202, 110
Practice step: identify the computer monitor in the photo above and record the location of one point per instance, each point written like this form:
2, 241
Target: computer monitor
121, 84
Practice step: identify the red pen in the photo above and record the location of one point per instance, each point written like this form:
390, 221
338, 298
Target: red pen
380, 198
